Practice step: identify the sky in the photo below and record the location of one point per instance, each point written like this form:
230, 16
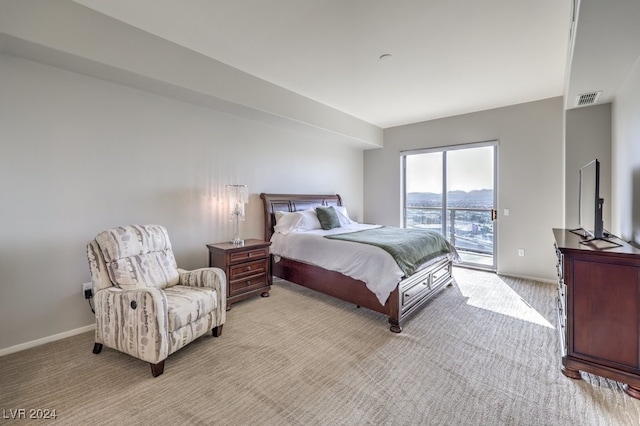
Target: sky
467, 170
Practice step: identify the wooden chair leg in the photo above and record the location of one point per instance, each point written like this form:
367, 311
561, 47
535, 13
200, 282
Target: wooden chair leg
217, 331
157, 369
97, 348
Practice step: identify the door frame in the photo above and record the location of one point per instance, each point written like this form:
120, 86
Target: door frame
444, 149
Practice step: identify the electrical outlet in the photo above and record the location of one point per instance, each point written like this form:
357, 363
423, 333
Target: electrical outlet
520, 252
87, 290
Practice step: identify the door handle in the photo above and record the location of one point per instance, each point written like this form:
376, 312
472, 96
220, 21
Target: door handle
494, 214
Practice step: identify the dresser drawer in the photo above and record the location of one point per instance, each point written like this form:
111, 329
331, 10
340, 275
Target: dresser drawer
247, 269
253, 282
562, 296
243, 256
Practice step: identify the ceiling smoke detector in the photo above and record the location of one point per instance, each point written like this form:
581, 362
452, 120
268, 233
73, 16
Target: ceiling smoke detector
588, 98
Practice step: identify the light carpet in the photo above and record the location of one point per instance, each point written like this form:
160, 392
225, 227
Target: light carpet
484, 352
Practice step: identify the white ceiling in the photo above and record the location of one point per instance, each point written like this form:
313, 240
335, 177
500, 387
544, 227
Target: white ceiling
449, 56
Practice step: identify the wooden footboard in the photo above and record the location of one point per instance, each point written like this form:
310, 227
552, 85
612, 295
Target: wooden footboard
408, 297
416, 290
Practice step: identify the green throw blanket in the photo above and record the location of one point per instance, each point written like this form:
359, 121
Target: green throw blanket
409, 247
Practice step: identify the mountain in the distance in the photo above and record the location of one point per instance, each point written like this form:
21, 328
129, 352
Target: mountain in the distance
481, 198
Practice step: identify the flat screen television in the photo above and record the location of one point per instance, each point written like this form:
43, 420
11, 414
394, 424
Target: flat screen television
590, 204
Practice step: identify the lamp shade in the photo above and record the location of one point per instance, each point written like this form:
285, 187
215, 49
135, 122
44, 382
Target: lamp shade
238, 196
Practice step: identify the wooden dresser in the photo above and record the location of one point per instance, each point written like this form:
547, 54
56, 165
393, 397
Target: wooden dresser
247, 268
599, 309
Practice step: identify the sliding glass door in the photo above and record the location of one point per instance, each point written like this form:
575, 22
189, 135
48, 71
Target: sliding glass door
451, 190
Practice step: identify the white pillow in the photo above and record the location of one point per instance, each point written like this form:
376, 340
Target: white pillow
343, 216
286, 222
305, 220
278, 214
309, 221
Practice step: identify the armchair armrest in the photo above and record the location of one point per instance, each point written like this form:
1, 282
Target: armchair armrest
214, 278
205, 277
133, 321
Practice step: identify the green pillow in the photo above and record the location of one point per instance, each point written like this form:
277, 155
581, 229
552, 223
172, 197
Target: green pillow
328, 217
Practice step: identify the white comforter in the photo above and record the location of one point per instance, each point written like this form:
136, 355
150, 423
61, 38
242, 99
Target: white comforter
364, 262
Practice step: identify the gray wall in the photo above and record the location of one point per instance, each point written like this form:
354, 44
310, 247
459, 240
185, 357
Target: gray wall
80, 155
588, 136
626, 158
530, 176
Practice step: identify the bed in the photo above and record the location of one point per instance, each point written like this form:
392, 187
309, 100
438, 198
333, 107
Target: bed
407, 296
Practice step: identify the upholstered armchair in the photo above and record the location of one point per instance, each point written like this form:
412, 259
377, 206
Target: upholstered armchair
144, 305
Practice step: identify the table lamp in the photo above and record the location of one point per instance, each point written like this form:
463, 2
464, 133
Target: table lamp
238, 196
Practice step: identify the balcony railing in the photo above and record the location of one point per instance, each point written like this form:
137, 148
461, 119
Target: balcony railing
467, 229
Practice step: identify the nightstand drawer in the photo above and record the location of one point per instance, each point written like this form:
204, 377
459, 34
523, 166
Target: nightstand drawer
243, 256
247, 269
247, 284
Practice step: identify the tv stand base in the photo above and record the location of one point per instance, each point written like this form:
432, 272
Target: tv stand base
588, 238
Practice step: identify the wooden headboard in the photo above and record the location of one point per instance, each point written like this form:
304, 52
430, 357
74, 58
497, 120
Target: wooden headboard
292, 203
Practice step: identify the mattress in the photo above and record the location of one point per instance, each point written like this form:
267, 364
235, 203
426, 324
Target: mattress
370, 264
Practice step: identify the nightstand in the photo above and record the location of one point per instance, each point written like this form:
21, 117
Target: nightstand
247, 268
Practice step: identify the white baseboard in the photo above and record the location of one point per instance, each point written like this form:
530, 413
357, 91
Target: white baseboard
48, 339
526, 277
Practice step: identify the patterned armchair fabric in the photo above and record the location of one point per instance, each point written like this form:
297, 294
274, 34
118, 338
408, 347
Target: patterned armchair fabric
145, 306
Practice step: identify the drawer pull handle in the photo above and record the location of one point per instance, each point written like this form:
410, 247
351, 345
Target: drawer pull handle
248, 282
248, 268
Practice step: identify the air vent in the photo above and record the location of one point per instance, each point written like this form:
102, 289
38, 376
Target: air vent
588, 98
